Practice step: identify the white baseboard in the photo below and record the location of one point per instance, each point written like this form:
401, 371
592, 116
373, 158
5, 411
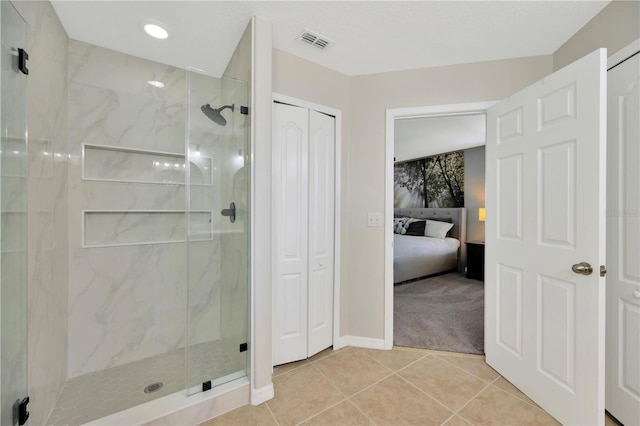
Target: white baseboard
359, 342
264, 394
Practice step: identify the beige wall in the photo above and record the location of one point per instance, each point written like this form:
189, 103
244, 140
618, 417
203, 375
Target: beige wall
616, 26
474, 191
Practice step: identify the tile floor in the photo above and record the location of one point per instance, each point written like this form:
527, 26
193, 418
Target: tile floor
404, 386
95, 395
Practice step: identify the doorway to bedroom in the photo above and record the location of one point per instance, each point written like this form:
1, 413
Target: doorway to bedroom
437, 196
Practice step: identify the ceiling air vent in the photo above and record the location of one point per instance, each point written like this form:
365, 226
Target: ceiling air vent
315, 39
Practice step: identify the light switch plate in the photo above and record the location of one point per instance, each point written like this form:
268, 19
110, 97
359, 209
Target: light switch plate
374, 219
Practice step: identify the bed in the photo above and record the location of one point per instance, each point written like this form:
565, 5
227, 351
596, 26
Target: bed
420, 256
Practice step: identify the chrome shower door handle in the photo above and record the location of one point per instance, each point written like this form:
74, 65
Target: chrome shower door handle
230, 212
582, 268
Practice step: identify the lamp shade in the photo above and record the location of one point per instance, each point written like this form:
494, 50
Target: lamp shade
481, 214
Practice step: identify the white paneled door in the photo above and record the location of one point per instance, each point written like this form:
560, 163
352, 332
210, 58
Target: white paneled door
303, 234
545, 240
321, 230
623, 242
290, 169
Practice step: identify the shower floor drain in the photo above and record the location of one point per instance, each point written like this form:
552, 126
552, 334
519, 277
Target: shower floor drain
153, 387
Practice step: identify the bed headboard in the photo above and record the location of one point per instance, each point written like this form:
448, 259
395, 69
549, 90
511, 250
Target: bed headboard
458, 217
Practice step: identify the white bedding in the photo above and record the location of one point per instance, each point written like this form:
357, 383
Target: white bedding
415, 257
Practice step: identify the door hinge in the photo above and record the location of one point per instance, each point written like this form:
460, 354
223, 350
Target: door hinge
244, 110
23, 57
243, 347
23, 413
603, 270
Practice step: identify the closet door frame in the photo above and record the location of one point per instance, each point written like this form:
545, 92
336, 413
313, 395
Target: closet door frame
278, 97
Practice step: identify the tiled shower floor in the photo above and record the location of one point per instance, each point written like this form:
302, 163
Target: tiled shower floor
95, 395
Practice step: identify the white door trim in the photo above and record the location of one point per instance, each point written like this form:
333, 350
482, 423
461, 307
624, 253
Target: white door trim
391, 116
278, 97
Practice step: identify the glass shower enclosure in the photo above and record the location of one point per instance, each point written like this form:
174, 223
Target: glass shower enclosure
13, 217
217, 194
158, 230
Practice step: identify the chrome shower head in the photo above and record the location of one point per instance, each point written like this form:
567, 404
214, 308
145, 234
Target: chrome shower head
214, 114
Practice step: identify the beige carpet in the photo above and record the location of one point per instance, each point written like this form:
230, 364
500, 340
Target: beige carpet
444, 313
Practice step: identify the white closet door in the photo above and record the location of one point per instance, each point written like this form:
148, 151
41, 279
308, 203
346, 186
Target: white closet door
321, 230
623, 243
290, 183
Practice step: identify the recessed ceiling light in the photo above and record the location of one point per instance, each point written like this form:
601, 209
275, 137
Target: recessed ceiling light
155, 30
156, 83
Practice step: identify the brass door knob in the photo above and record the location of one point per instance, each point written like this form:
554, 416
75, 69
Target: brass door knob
582, 268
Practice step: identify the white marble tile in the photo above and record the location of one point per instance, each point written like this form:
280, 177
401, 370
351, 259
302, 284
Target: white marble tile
125, 303
111, 228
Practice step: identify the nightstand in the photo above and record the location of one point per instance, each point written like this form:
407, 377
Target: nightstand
475, 260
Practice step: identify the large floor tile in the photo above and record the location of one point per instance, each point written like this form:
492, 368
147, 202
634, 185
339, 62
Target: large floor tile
301, 394
506, 386
395, 402
394, 359
352, 370
285, 368
448, 384
457, 421
496, 407
476, 366
344, 414
327, 352
247, 415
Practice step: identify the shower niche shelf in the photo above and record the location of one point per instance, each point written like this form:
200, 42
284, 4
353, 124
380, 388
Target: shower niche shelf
132, 165
110, 228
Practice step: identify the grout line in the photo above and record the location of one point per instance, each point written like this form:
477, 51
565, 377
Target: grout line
449, 418
322, 411
333, 353
517, 397
410, 364
272, 415
436, 400
302, 364
469, 372
363, 413
329, 380
471, 399
371, 385
376, 361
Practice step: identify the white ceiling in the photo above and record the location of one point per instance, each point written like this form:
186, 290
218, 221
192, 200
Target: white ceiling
421, 137
370, 36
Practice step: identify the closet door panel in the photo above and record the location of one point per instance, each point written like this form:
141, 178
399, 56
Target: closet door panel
321, 230
290, 182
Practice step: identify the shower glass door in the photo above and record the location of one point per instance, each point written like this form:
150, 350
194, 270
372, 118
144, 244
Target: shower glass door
217, 150
13, 218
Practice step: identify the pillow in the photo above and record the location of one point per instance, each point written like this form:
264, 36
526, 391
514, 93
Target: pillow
400, 225
416, 228
437, 229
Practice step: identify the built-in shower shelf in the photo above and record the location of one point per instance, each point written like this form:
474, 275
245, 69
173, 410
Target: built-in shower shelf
109, 228
132, 165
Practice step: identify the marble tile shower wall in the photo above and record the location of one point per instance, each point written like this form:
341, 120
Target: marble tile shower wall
127, 298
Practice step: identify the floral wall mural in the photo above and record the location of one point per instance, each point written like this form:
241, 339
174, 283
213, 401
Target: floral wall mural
436, 181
